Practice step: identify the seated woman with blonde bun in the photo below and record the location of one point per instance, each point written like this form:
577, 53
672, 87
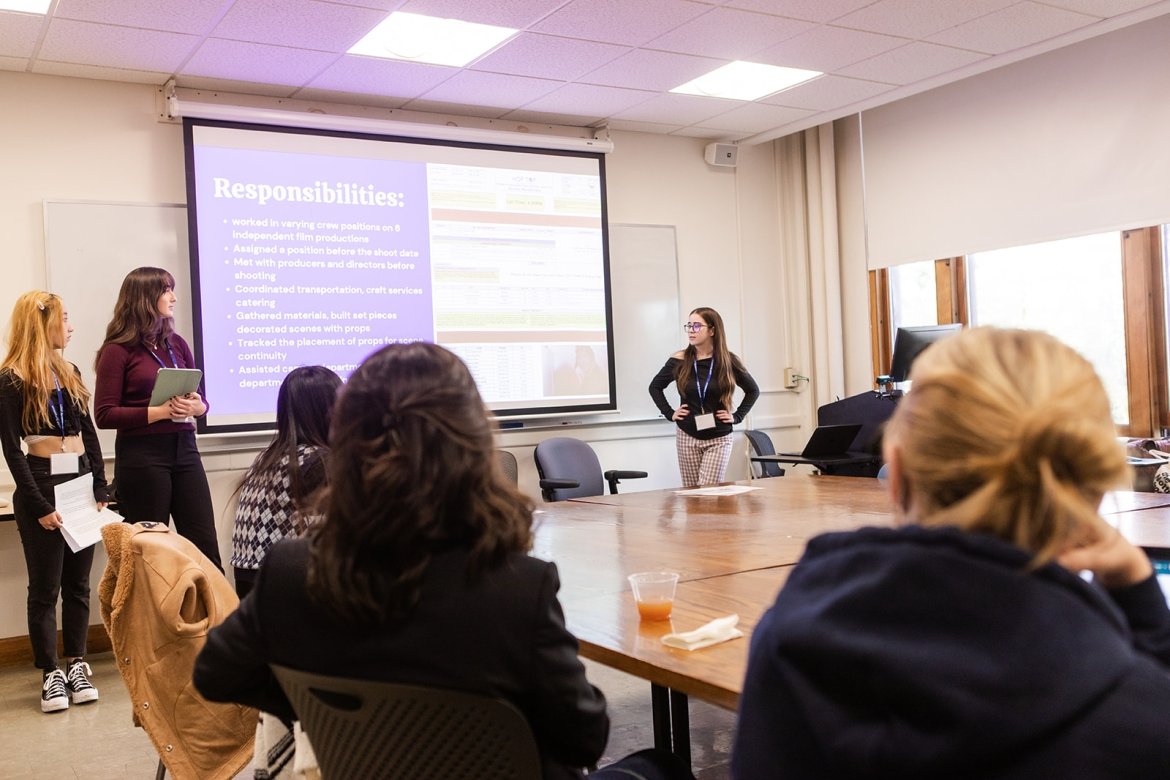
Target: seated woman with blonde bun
971, 641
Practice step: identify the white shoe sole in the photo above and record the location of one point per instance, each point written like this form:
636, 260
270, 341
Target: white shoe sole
81, 697
54, 705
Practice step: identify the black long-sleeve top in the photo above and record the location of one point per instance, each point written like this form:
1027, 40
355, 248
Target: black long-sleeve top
743, 380
77, 421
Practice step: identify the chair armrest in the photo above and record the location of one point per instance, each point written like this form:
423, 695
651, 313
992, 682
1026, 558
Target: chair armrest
558, 484
614, 477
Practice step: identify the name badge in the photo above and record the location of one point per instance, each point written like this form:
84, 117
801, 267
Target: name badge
64, 463
704, 421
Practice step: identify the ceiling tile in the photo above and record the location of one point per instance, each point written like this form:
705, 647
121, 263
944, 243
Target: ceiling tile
828, 48
593, 103
116, 47
389, 78
678, 109
1102, 8
490, 89
753, 118
257, 62
619, 21
913, 62
548, 56
516, 14
549, 118
809, 10
1013, 28
653, 70
194, 17
729, 34
78, 71
19, 33
641, 127
230, 85
918, 18
706, 133
306, 24
826, 93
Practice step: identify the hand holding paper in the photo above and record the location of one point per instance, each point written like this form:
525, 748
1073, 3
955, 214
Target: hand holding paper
718, 630
81, 517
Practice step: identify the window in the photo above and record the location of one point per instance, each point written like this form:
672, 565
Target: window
1104, 294
1071, 289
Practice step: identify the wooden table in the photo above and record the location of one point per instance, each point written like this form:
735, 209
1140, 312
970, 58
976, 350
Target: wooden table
732, 553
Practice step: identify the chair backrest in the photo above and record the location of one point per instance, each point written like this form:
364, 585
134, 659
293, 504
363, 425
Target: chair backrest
509, 466
373, 730
761, 444
565, 458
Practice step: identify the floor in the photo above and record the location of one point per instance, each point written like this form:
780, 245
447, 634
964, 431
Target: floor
97, 741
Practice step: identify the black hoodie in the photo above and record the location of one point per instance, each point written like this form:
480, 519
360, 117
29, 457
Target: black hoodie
921, 653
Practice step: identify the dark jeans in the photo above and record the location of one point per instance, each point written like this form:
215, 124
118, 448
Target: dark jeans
53, 571
160, 476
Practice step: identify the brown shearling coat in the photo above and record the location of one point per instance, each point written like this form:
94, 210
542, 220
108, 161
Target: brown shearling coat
159, 596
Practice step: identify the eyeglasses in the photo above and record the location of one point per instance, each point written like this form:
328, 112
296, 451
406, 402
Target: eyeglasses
693, 327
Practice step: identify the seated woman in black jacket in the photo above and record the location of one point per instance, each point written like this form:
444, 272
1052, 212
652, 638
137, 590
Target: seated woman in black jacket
419, 572
964, 643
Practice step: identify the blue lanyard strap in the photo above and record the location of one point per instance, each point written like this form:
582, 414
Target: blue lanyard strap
157, 359
58, 410
703, 390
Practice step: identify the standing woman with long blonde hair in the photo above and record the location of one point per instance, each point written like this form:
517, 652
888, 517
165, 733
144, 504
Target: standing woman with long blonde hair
157, 468
706, 374
44, 402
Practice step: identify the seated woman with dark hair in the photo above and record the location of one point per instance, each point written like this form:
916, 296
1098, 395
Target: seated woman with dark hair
419, 572
963, 643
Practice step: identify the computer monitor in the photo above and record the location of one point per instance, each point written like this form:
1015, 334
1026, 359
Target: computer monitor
910, 341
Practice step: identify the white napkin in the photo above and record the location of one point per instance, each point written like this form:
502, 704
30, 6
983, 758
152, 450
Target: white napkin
718, 630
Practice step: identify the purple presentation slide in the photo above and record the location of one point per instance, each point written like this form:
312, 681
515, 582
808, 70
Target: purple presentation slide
306, 259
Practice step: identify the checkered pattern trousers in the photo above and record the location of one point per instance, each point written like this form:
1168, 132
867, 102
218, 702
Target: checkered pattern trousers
701, 461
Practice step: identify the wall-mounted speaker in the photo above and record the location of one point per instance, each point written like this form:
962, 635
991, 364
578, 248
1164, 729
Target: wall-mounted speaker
721, 154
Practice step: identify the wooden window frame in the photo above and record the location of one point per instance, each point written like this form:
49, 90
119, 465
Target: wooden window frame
1144, 300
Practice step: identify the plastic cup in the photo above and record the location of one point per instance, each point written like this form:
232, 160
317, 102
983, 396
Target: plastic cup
654, 593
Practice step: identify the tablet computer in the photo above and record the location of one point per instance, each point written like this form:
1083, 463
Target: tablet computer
174, 381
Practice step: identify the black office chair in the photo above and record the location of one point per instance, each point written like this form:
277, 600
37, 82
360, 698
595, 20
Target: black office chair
569, 468
509, 466
761, 444
383, 731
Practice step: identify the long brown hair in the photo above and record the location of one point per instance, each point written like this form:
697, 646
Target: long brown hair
725, 361
1008, 433
32, 358
412, 472
136, 317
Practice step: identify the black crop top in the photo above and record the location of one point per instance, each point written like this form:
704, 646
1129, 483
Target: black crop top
77, 422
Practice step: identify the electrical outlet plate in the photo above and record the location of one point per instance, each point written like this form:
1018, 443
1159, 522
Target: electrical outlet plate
790, 378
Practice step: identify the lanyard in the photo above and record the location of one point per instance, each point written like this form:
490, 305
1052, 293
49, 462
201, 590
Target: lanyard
703, 390
58, 411
171, 352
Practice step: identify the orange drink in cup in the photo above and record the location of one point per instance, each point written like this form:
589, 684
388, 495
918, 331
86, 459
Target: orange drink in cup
654, 593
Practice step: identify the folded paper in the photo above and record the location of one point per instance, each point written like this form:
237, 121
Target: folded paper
718, 630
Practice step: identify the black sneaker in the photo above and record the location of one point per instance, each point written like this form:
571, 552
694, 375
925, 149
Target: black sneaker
80, 688
54, 695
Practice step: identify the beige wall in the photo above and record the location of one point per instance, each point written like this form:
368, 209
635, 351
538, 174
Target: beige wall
70, 139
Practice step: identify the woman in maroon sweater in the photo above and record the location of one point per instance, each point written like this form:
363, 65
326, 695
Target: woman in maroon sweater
157, 468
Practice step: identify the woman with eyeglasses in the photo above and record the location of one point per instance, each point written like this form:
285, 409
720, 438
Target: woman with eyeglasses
44, 402
706, 375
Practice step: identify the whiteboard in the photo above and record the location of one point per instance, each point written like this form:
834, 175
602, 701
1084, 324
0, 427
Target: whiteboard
91, 246
89, 249
647, 320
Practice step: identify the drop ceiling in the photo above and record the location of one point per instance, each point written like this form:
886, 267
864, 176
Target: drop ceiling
589, 63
